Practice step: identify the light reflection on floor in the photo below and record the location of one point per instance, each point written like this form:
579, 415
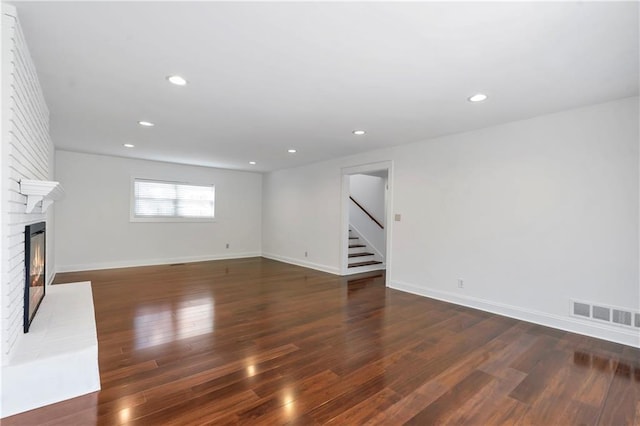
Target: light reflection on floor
289, 403
160, 324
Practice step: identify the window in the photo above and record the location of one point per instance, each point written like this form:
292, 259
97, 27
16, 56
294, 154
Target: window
169, 201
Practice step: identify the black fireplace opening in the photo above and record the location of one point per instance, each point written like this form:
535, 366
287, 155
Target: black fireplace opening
34, 262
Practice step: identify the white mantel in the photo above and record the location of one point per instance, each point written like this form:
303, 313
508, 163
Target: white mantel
40, 191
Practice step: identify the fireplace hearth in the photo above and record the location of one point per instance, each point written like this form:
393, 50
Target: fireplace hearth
34, 262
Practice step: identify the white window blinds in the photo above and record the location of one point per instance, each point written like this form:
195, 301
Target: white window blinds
158, 199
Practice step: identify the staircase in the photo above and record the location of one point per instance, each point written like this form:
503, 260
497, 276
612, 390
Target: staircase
361, 256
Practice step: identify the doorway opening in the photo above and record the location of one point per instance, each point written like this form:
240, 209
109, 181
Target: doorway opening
366, 228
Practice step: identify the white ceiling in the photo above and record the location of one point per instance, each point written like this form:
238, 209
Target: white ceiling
265, 77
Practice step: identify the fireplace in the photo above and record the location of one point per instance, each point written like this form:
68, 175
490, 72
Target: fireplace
34, 262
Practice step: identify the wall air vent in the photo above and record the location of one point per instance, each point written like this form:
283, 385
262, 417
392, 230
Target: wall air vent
621, 317
610, 314
582, 309
601, 313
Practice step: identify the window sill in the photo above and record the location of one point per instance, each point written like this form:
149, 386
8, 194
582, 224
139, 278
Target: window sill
171, 220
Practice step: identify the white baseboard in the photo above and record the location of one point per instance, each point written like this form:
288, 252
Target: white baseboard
304, 263
151, 262
575, 325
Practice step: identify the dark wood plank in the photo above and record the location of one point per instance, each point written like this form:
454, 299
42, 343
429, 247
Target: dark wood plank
254, 341
622, 405
437, 412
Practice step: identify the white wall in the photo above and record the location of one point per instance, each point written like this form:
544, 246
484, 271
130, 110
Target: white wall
530, 214
27, 154
303, 216
95, 232
369, 192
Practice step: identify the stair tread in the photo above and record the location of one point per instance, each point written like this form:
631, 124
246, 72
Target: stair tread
370, 262
364, 253
356, 245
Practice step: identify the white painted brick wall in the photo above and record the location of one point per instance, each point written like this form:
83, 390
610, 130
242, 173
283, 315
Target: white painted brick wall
27, 154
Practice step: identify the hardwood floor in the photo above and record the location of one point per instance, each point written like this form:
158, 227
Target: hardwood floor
254, 341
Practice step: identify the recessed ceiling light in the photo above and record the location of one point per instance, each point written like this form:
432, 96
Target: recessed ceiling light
128, 145
292, 151
177, 80
146, 123
478, 97
253, 163
359, 132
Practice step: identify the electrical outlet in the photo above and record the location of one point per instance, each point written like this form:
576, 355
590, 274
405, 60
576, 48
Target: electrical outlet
306, 254
227, 245
460, 283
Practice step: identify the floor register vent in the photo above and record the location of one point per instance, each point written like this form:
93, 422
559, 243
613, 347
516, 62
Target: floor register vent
608, 314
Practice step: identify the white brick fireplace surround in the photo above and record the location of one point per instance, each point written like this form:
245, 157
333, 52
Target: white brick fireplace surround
58, 358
